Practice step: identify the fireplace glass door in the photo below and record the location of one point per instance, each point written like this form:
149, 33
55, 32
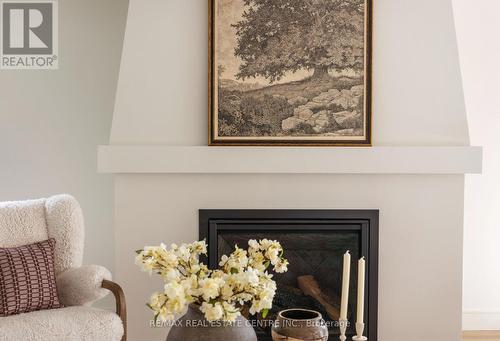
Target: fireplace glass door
314, 244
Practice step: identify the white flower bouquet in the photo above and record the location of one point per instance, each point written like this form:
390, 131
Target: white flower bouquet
242, 280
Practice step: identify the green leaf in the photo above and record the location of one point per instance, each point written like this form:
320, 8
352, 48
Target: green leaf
234, 271
266, 264
265, 312
138, 251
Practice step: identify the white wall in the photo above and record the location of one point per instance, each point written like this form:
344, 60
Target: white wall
162, 99
420, 236
478, 30
418, 97
52, 121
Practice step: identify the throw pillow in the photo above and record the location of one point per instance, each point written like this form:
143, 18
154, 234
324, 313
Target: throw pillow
27, 278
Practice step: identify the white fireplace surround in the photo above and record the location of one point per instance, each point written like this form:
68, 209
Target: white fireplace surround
414, 174
307, 160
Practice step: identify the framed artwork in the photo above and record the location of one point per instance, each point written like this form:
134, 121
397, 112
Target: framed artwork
290, 72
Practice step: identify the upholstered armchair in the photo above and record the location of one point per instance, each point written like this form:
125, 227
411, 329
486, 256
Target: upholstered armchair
60, 217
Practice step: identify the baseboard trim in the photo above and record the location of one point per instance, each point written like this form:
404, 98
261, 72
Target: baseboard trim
481, 335
487, 321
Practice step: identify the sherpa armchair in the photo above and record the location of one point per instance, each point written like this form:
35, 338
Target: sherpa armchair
60, 217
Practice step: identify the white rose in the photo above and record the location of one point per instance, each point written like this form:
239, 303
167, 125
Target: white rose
176, 305
195, 268
226, 292
258, 261
256, 307
273, 254
233, 264
223, 260
148, 265
212, 312
243, 297
200, 247
281, 266
168, 258
253, 244
184, 253
231, 312
157, 304
170, 275
190, 285
264, 244
252, 276
157, 299
174, 290
204, 271
210, 288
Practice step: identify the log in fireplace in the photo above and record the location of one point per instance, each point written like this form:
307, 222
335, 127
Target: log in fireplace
314, 243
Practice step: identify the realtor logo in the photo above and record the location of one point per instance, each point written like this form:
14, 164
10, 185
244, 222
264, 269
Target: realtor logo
29, 35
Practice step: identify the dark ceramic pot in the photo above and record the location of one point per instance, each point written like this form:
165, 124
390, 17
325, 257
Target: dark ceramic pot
299, 324
194, 327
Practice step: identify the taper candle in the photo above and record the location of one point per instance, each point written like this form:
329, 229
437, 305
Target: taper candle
345, 286
361, 290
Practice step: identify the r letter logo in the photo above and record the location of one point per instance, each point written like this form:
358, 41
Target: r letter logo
29, 35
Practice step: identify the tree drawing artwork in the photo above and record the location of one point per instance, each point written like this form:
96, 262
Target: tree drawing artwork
291, 70
278, 36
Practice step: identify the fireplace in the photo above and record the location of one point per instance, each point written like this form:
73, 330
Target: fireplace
314, 242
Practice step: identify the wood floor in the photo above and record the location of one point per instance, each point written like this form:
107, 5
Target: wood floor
481, 336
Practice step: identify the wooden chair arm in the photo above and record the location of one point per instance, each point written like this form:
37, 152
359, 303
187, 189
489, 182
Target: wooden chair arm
121, 307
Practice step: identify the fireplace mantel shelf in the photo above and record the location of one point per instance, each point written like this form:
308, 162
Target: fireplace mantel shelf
148, 159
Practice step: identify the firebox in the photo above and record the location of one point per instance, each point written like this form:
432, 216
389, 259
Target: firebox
314, 242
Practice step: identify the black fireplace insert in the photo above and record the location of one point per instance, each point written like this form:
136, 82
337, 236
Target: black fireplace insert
314, 242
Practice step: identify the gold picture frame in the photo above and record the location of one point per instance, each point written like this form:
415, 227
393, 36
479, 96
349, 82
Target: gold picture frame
317, 102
